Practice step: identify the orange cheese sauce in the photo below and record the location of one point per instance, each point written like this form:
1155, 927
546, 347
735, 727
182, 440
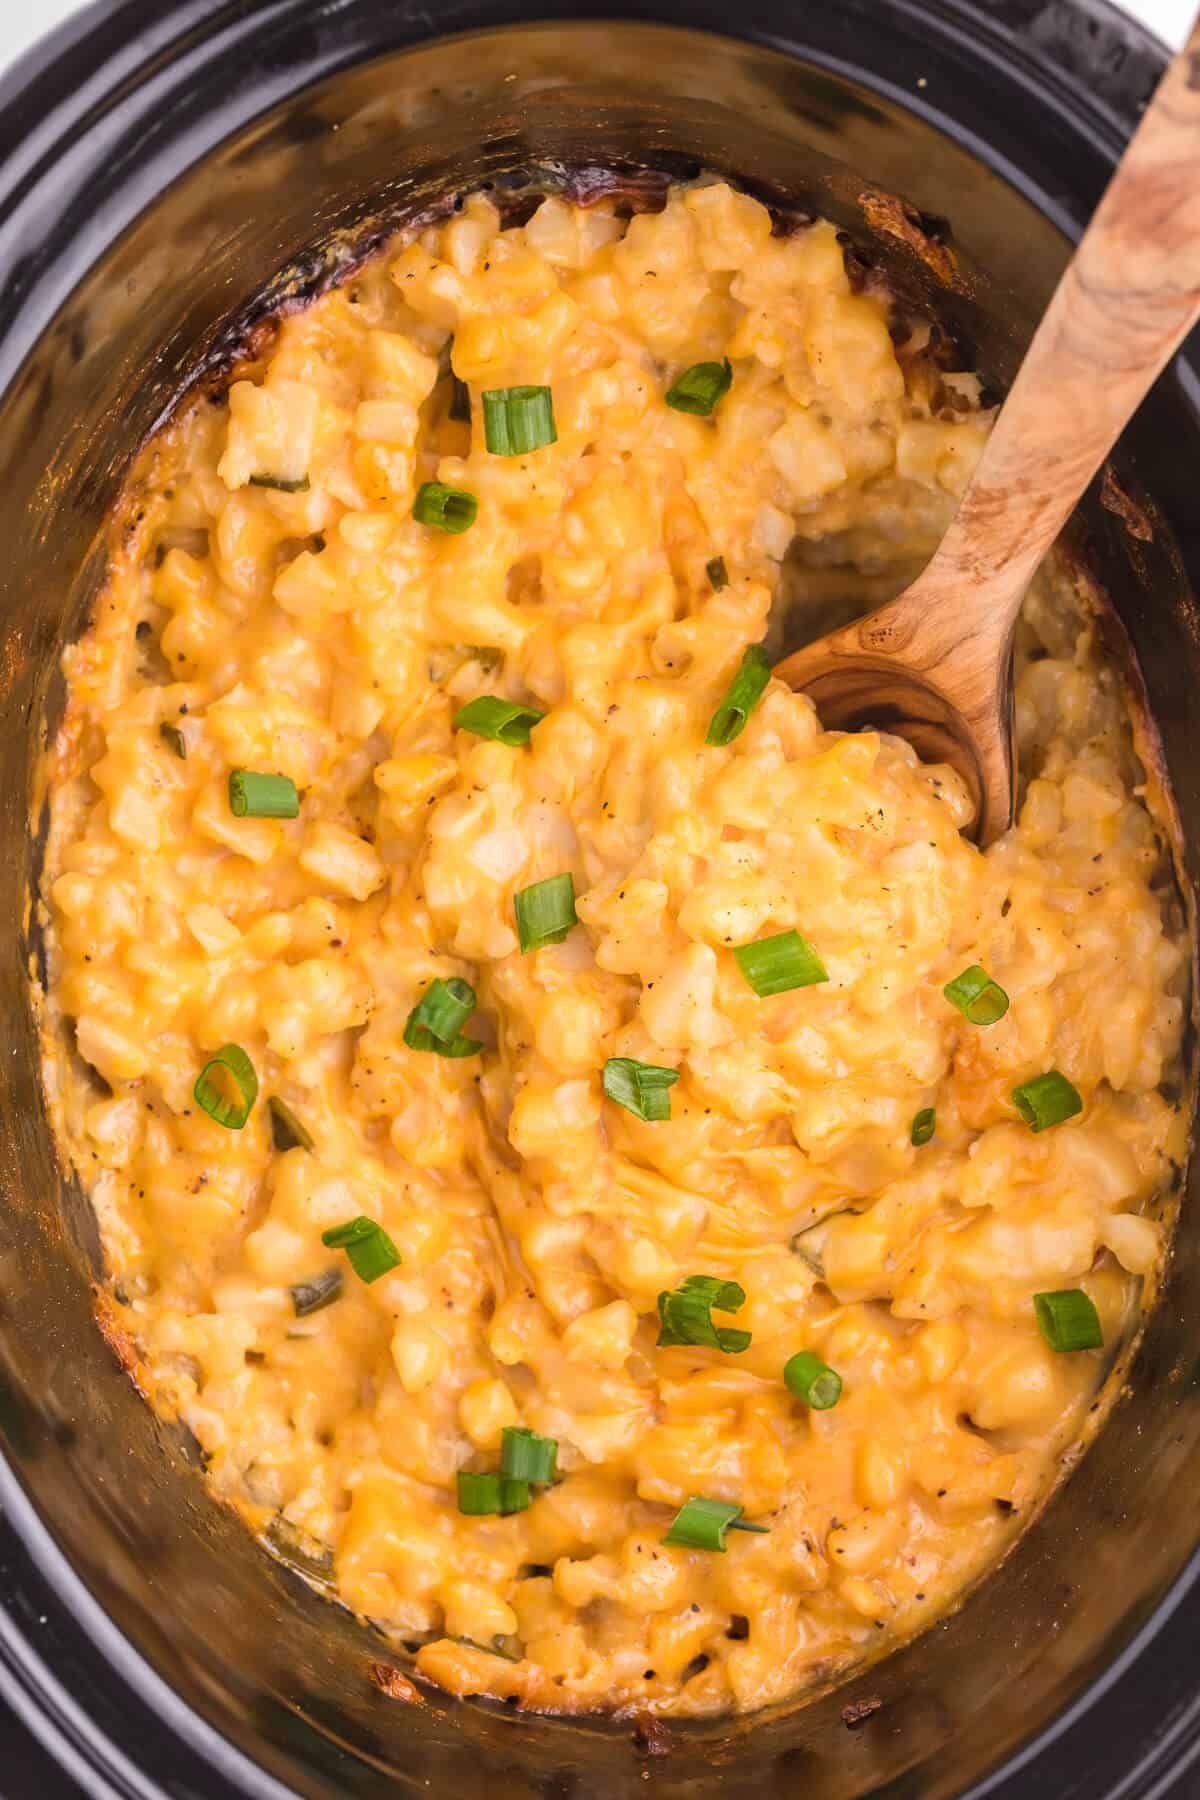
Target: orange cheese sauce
320, 632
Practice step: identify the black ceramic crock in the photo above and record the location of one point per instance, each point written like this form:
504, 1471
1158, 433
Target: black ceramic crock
161, 162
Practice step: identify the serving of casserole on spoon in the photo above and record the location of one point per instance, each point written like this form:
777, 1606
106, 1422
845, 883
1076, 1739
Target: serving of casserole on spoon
934, 665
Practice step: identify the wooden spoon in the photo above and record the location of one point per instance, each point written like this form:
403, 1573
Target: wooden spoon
935, 664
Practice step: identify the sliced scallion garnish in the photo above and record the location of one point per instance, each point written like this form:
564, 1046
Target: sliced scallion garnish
641, 1088
718, 574
310, 1296
775, 965
701, 1524
741, 697
445, 508
699, 388
510, 1648
507, 721
369, 1249
978, 998
460, 401
171, 734
491, 1493
1047, 1100
230, 1061
255, 796
810, 1245
685, 1314
283, 484
442, 1010
545, 912
417, 1038
287, 1133
812, 1381
517, 420
435, 1022
526, 1456
1068, 1320
924, 1125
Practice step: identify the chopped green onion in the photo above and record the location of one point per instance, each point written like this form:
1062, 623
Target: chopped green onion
310, 1296
525, 1456
811, 1244
351, 1231
445, 508
460, 401
699, 388
978, 998
701, 1524
685, 1314
417, 1038
253, 796
370, 1250
491, 1493
232, 1060
300, 1551
924, 1125
433, 1024
812, 1381
518, 419
1047, 1100
1068, 1320
286, 1130
507, 1646
775, 965
718, 574
505, 720
171, 734
741, 697
282, 483
545, 912
641, 1088
440, 1014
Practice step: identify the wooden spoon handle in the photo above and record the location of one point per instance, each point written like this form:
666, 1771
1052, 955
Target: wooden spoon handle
1124, 305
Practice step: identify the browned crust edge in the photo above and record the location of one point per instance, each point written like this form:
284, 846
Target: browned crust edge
1117, 500
898, 218
122, 1343
388, 1679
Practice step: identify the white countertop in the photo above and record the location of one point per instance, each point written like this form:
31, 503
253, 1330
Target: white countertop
1170, 18
21, 23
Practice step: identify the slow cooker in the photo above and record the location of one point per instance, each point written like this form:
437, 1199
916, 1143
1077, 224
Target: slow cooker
170, 172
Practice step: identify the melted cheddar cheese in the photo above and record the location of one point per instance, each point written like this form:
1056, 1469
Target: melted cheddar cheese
318, 631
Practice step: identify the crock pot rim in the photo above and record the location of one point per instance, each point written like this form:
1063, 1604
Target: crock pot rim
30, 1687
137, 33
43, 120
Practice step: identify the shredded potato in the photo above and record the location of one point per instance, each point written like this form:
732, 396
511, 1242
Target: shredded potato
311, 628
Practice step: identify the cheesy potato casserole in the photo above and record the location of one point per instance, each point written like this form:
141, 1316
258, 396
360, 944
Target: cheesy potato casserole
624, 1193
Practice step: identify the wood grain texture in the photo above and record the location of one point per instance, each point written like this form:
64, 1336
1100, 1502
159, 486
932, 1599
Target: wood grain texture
934, 665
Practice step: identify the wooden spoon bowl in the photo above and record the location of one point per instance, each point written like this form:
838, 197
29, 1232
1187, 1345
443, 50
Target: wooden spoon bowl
867, 676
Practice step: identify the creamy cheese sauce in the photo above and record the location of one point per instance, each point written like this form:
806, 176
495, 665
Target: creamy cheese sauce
319, 632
